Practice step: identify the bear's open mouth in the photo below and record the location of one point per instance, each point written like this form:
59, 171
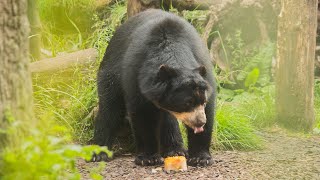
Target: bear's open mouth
195, 119
198, 129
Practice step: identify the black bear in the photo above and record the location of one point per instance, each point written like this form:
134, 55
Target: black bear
156, 70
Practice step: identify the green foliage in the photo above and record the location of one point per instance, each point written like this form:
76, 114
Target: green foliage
61, 16
44, 155
197, 18
183, 131
104, 28
257, 104
69, 103
252, 62
97, 32
252, 78
317, 103
234, 130
71, 96
63, 101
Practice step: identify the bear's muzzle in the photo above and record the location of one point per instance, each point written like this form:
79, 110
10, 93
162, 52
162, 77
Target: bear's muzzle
195, 119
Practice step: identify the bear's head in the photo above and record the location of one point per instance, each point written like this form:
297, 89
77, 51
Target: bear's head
181, 92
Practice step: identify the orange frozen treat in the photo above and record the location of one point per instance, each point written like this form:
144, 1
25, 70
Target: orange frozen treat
175, 163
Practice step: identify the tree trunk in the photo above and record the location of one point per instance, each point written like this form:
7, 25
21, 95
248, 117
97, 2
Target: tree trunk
15, 78
35, 38
295, 67
136, 6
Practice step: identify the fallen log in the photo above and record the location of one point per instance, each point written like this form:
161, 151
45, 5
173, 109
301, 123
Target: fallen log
190, 4
83, 57
136, 6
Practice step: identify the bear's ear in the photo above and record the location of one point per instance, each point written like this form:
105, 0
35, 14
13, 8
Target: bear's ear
165, 72
202, 70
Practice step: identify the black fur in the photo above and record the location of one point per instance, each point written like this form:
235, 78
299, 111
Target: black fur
156, 63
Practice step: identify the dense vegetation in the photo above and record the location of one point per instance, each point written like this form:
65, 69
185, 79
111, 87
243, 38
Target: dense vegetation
65, 106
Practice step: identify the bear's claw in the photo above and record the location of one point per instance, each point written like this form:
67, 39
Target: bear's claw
200, 159
148, 160
102, 156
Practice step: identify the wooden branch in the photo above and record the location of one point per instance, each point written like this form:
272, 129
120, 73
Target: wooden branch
215, 56
263, 31
207, 30
102, 3
82, 57
215, 13
190, 4
317, 62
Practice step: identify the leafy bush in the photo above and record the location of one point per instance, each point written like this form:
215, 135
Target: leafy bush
248, 66
44, 154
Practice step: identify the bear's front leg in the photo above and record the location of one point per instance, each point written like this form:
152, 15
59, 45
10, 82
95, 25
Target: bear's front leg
145, 125
171, 143
199, 143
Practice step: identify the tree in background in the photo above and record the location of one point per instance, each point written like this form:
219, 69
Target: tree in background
15, 78
34, 19
295, 63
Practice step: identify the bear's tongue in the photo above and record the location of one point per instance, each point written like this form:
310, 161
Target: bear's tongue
198, 129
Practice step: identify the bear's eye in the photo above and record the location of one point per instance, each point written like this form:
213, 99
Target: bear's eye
189, 102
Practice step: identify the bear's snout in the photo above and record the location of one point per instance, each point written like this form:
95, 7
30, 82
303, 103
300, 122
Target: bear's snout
195, 119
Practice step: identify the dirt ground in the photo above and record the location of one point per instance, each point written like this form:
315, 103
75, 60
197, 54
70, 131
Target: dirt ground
285, 156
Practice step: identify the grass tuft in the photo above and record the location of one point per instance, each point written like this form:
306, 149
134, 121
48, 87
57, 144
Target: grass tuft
234, 130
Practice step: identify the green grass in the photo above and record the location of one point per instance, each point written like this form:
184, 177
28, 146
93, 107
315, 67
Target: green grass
67, 16
258, 106
69, 98
105, 27
234, 130
317, 103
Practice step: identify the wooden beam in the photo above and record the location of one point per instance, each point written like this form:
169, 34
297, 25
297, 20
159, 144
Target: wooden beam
82, 57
